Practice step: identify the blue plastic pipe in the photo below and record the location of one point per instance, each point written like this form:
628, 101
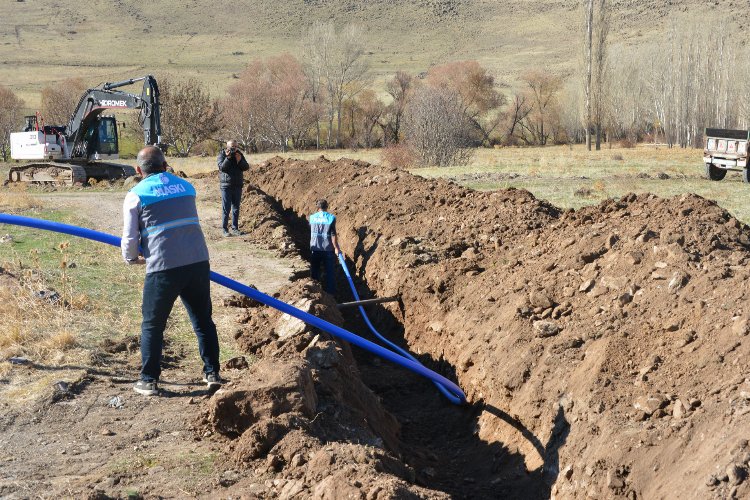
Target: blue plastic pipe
334, 330
444, 390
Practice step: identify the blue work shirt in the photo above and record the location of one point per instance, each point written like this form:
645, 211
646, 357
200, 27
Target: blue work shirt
322, 228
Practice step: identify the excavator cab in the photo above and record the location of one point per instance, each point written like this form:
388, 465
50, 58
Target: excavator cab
31, 123
101, 139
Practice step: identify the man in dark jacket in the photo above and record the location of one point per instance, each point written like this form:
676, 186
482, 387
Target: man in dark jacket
231, 165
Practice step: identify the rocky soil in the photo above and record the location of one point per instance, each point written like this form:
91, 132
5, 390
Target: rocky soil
607, 346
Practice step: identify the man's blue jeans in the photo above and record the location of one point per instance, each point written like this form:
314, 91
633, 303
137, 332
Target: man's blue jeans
160, 291
230, 200
319, 257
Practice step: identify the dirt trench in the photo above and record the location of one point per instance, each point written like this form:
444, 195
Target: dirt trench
438, 439
604, 353
332, 395
605, 347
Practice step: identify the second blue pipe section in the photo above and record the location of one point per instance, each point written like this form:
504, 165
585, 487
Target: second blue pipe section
457, 394
444, 390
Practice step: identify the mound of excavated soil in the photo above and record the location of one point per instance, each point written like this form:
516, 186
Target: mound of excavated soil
609, 346
262, 223
260, 220
300, 422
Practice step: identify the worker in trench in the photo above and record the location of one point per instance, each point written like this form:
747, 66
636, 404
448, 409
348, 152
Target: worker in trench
160, 217
324, 246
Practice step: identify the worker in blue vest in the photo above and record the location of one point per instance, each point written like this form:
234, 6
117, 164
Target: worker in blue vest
161, 230
323, 245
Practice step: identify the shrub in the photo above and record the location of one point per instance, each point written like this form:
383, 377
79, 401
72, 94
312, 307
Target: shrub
437, 129
398, 156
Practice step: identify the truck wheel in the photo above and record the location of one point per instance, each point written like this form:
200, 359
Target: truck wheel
715, 173
745, 175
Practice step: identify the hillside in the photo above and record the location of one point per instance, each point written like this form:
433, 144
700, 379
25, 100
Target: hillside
43, 41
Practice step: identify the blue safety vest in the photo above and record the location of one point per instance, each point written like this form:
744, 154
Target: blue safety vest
170, 231
322, 227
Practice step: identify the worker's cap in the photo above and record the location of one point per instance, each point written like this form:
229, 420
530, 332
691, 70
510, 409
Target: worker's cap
321, 204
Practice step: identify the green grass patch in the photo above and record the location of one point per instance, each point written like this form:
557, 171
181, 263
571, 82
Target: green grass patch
104, 292
571, 177
89, 275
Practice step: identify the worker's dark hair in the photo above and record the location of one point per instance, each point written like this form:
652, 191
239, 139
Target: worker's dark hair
322, 204
151, 160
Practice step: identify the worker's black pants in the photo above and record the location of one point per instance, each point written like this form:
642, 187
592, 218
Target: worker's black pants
160, 291
328, 259
230, 200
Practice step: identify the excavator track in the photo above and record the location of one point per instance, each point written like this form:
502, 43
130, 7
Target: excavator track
68, 174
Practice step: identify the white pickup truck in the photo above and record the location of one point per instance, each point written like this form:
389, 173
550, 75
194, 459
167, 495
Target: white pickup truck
726, 150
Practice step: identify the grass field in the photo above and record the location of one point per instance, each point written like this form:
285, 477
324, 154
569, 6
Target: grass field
569, 177
572, 177
95, 296
67, 297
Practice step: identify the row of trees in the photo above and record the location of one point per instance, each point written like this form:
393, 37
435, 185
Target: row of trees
667, 92
694, 79
670, 90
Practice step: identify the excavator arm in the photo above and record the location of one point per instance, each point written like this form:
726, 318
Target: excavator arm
95, 101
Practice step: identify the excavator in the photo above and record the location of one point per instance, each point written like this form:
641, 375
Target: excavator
82, 150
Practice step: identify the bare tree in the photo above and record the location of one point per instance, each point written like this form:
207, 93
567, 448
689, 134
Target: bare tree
437, 128
589, 56
600, 68
60, 100
399, 88
339, 55
519, 110
571, 113
475, 86
271, 104
189, 115
628, 113
11, 110
286, 112
542, 90
315, 50
369, 110
239, 113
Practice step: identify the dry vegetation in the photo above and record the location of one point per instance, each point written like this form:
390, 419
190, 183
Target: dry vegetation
18, 200
208, 44
33, 328
61, 296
